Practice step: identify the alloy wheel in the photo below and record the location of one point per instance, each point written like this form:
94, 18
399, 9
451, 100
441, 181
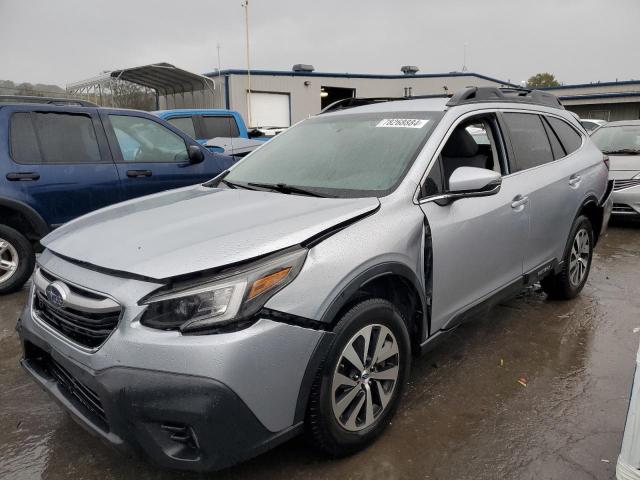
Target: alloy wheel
8, 260
579, 259
365, 377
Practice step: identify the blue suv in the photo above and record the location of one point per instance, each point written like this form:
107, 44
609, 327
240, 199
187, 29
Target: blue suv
59, 161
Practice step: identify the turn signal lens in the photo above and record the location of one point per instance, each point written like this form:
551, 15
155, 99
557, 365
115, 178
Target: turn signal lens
265, 283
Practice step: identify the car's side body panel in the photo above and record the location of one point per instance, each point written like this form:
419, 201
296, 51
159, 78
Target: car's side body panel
60, 191
161, 175
393, 235
477, 249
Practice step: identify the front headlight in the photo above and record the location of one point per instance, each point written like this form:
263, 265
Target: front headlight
232, 296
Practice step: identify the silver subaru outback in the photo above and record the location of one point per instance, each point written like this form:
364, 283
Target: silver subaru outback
204, 325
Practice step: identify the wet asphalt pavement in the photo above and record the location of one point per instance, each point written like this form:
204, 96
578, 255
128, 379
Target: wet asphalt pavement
464, 414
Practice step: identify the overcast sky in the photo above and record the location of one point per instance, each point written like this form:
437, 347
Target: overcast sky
61, 41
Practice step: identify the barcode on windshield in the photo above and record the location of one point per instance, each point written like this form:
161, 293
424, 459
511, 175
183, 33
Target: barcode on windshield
401, 123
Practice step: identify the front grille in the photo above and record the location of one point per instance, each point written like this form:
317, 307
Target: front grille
77, 391
622, 184
85, 317
622, 208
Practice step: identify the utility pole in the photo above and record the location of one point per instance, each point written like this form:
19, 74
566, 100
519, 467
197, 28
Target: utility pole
464, 58
245, 5
219, 73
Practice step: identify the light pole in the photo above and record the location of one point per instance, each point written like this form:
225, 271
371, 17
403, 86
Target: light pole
219, 73
464, 58
245, 5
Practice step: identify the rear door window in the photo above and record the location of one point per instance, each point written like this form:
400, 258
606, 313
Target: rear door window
571, 140
529, 140
185, 124
61, 138
220, 126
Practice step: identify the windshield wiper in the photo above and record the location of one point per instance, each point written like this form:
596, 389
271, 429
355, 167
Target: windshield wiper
624, 151
235, 185
284, 188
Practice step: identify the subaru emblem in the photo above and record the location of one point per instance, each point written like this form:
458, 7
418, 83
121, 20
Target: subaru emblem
56, 293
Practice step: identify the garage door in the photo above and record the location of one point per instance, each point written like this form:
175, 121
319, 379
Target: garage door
270, 110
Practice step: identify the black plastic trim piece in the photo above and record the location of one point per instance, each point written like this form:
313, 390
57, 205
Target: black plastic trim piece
5, 99
383, 269
139, 402
541, 271
504, 95
106, 271
320, 237
487, 303
290, 319
316, 362
40, 227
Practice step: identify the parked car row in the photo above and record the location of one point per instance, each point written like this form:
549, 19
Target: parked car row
204, 325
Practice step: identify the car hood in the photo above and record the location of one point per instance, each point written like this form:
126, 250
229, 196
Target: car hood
198, 228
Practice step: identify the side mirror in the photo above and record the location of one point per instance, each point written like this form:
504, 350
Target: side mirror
196, 155
466, 182
474, 180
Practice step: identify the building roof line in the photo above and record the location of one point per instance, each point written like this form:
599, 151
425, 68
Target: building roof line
589, 96
593, 84
353, 75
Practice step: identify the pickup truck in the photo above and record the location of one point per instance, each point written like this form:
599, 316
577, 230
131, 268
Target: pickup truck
205, 124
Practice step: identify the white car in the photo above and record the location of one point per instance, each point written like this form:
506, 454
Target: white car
621, 142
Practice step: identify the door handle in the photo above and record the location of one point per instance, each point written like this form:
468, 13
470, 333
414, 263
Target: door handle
22, 176
138, 173
575, 180
519, 201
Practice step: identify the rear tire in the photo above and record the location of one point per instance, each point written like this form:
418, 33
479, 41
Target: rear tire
576, 263
17, 259
357, 389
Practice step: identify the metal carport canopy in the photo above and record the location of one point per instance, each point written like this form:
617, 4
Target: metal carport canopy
164, 78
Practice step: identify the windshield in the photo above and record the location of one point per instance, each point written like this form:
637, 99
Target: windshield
351, 155
618, 139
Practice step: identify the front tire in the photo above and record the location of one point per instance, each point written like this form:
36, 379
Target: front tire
358, 386
17, 259
576, 263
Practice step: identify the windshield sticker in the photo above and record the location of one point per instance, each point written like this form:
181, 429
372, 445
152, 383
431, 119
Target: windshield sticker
402, 123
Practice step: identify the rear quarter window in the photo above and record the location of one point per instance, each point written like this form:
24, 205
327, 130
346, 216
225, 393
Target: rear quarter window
571, 140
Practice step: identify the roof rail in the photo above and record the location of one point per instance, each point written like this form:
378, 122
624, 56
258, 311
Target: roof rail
46, 100
352, 102
506, 95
